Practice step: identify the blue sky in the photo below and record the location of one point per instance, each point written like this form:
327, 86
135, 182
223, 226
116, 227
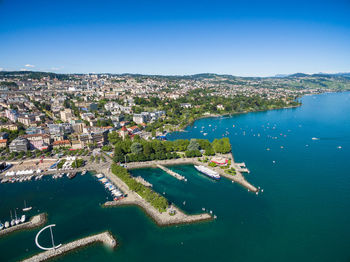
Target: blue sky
247, 38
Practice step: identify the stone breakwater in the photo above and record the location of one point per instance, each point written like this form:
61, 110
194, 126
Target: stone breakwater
162, 219
172, 173
35, 221
106, 238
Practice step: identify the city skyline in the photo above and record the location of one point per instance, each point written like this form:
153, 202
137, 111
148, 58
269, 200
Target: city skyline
236, 38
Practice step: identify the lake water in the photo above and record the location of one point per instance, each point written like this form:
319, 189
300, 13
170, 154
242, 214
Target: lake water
302, 215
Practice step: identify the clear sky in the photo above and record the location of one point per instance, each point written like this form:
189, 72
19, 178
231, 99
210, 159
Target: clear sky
247, 38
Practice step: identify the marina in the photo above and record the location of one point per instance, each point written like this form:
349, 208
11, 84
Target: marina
35, 221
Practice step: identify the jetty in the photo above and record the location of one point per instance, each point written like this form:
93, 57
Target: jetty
35, 221
143, 181
172, 173
172, 216
106, 238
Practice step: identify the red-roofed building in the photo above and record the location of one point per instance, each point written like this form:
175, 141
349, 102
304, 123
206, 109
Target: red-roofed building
123, 132
62, 143
3, 143
134, 129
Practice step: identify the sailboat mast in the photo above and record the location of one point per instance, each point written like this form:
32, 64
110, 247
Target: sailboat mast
53, 244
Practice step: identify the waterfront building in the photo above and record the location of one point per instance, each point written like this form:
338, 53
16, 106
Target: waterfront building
38, 141
62, 143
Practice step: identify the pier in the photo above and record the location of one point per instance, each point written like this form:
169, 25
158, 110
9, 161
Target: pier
143, 181
106, 238
34, 222
172, 173
162, 219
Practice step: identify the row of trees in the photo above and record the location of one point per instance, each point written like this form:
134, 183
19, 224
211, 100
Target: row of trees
145, 150
146, 193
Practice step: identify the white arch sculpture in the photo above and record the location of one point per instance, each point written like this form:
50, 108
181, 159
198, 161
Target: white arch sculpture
53, 244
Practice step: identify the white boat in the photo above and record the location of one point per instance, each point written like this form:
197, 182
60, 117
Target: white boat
25, 209
23, 218
206, 171
1, 226
7, 224
12, 222
315, 138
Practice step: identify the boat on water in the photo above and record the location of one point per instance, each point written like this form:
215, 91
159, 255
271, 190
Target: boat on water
315, 138
23, 218
208, 172
7, 224
83, 173
1, 226
71, 175
25, 209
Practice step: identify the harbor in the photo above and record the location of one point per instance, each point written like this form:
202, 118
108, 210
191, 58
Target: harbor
106, 238
172, 216
238, 177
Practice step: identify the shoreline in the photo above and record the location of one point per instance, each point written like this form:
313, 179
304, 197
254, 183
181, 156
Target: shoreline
34, 222
239, 177
229, 114
105, 238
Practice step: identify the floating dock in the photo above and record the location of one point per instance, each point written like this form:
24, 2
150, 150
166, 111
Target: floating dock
106, 238
35, 221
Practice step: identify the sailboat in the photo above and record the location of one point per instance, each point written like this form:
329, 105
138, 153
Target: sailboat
1, 225
17, 221
25, 209
12, 223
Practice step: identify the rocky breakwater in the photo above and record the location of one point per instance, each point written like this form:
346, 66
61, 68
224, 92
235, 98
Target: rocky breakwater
172, 216
106, 238
35, 221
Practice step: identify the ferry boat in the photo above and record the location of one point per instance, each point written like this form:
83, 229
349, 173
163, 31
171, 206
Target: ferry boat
206, 171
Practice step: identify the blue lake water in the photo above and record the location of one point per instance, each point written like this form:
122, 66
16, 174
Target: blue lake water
302, 215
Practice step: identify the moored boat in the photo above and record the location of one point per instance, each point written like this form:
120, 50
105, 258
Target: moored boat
25, 209
208, 172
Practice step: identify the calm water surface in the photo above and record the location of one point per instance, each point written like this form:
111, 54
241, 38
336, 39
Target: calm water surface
302, 215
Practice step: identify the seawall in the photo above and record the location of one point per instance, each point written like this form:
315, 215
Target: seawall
106, 238
34, 222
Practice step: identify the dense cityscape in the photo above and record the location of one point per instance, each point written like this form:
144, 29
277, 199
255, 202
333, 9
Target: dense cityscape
44, 111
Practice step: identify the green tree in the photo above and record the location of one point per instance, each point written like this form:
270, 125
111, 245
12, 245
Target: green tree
136, 148
193, 145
